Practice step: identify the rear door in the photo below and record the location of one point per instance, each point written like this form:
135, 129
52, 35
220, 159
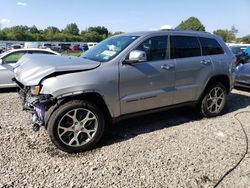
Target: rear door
211, 48
191, 68
149, 84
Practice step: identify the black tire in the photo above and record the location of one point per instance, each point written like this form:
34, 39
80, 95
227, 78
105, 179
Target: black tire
61, 112
204, 104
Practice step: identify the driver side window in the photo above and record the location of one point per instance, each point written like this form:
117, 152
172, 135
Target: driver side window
156, 48
13, 57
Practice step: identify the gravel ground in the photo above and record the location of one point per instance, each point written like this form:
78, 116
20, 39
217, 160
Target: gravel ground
175, 148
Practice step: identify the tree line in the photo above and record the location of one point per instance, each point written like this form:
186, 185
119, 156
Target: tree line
72, 33
228, 35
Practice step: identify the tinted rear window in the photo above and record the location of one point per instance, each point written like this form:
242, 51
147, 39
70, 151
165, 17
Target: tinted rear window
185, 46
210, 46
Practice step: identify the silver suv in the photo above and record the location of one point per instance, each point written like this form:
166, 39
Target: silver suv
126, 75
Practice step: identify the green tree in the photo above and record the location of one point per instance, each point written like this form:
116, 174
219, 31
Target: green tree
72, 29
49, 33
51, 30
33, 29
101, 30
92, 36
191, 23
227, 35
2, 35
16, 33
245, 39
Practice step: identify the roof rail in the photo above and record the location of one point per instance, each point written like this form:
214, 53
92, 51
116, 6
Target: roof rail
184, 30
167, 29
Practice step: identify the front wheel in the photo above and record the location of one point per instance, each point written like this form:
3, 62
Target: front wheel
76, 126
214, 100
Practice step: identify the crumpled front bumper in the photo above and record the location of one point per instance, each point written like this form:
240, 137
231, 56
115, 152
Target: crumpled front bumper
36, 104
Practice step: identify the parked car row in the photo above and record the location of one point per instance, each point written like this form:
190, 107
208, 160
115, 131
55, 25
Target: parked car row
59, 47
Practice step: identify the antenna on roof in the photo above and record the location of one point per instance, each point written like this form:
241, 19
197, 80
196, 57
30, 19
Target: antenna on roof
166, 27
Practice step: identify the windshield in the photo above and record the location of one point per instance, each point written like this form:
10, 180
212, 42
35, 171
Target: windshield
109, 48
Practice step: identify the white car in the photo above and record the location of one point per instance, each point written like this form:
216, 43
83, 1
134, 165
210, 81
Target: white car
91, 44
8, 60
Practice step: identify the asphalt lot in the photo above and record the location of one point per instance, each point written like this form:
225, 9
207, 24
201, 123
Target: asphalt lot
175, 148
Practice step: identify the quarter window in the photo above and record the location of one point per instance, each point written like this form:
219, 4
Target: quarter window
184, 46
210, 46
156, 48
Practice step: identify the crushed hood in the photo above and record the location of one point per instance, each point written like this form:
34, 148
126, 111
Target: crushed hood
31, 69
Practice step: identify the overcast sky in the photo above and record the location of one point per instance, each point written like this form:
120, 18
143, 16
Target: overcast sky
126, 15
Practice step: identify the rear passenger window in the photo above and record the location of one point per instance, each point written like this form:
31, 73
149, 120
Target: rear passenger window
210, 46
156, 48
185, 46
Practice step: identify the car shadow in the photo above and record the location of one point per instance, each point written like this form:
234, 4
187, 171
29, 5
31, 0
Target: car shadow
129, 128
133, 127
237, 101
8, 90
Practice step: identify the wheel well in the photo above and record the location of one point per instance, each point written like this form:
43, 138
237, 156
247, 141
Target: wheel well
94, 98
222, 79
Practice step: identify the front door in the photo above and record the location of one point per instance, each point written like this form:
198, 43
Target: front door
148, 85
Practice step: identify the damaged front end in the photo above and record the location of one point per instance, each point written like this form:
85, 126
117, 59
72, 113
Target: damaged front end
36, 103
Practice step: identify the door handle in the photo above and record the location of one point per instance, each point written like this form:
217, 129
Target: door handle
167, 66
205, 62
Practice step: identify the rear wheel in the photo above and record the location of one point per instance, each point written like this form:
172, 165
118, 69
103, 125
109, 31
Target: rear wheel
76, 126
214, 100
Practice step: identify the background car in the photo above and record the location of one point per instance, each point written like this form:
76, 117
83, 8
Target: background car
64, 46
240, 54
84, 47
247, 50
2, 48
8, 60
74, 48
242, 78
16, 46
91, 44
51, 46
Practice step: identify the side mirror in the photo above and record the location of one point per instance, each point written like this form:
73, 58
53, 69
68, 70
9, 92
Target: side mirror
136, 56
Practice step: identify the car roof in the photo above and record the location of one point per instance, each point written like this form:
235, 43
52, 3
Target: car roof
31, 49
144, 33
